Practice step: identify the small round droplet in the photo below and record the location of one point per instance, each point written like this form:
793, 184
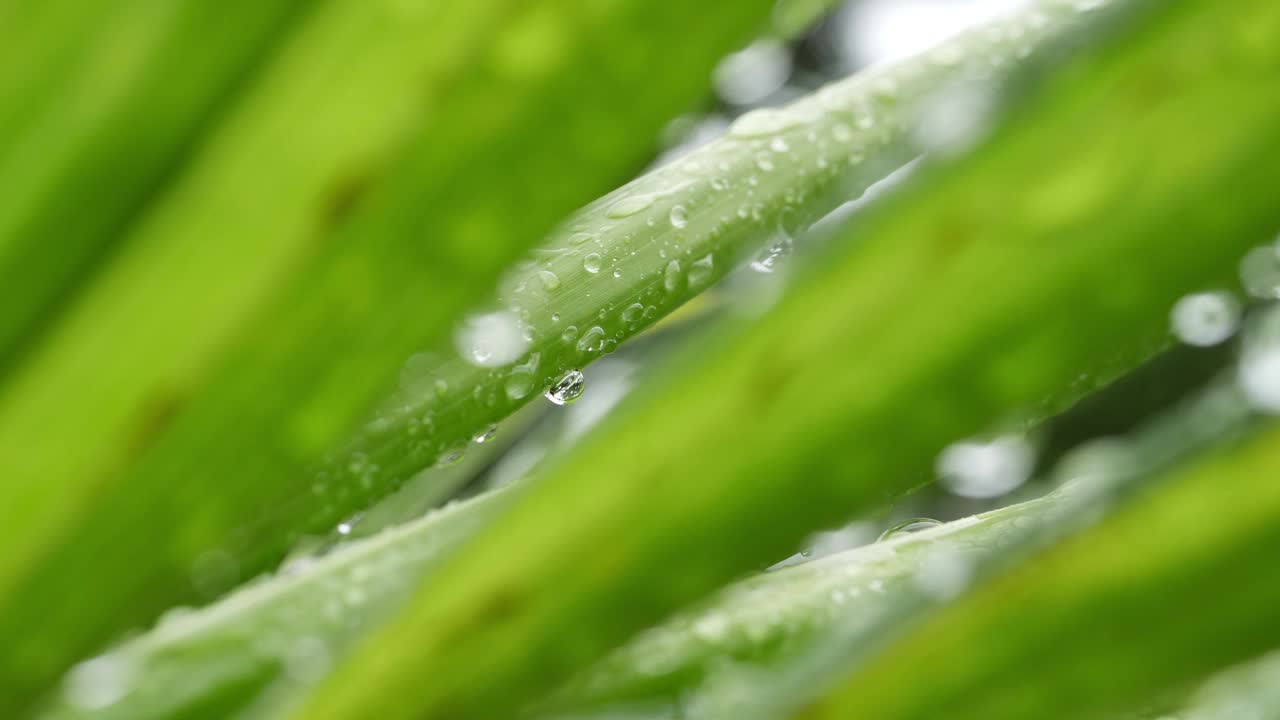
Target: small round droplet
779, 145
591, 263
1205, 319
679, 217
764, 162
907, 527
568, 388
346, 526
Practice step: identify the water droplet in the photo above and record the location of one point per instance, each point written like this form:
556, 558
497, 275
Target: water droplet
700, 271
633, 314
568, 388
579, 238
550, 281
842, 133
1205, 319
765, 162
486, 435
761, 122
451, 456
719, 183
908, 527
671, 276
591, 263
630, 205
592, 340
518, 385
346, 526
678, 216
773, 255
570, 334
986, 470
779, 145
98, 683
1260, 272
491, 340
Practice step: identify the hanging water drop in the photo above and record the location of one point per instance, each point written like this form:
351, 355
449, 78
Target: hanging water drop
908, 527
773, 255
568, 388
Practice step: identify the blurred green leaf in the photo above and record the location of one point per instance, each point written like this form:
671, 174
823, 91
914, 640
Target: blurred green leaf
166, 436
984, 290
104, 100
1101, 618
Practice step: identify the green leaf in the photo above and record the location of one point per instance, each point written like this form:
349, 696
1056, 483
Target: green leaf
632, 257
166, 436
1102, 617
1091, 212
147, 78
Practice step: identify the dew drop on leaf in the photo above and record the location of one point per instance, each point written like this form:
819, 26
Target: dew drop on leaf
700, 271
568, 388
771, 257
629, 206
907, 527
679, 217
671, 276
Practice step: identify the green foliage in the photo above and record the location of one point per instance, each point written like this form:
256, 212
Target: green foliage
729, 490
227, 225
340, 215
